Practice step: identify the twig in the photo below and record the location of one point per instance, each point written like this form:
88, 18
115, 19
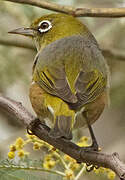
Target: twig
78, 12
100, 159
31, 168
80, 172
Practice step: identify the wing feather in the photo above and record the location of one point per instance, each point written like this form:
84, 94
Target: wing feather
90, 80
56, 85
89, 85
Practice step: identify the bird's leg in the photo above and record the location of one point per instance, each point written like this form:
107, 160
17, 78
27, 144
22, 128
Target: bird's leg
94, 146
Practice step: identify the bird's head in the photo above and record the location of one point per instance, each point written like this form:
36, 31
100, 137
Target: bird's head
52, 27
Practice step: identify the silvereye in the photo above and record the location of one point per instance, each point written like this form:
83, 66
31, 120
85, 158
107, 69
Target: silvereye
70, 75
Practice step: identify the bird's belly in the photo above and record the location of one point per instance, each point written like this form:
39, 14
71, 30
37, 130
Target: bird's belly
37, 99
46, 105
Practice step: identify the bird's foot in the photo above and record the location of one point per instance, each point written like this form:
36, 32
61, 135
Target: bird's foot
90, 167
93, 148
29, 127
34, 124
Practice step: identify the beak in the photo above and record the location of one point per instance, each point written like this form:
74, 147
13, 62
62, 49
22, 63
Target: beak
23, 31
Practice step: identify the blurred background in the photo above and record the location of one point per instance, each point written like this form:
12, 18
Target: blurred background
16, 69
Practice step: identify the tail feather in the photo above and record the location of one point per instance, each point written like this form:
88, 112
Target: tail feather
62, 127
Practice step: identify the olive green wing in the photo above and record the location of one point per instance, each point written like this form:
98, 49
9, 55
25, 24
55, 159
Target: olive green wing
52, 78
91, 79
89, 85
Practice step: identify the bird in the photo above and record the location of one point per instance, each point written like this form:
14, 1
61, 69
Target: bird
70, 77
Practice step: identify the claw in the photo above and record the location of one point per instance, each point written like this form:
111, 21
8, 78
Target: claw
29, 131
34, 123
89, 168
97, 167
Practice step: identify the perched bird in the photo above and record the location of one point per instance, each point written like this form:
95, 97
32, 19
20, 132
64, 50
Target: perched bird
70, 75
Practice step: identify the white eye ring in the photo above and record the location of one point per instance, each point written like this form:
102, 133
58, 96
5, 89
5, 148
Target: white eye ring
44, 29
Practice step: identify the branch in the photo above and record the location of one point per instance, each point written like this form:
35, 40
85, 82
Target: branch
114, 54
16, 43
42, 131
16, 109
78, 12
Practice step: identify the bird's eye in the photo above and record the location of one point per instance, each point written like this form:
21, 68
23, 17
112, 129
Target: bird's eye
44, 26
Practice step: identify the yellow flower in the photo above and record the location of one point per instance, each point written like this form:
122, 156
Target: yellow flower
69, 174
83, 142
11, 154
100, 170
36, 146
68, 158
74, 166
111, 175
48, 157
49, 164
19, 143
12, 148
84, 139
21, 153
